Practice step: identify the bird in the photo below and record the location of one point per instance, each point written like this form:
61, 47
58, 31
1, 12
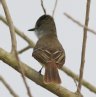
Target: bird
48, 50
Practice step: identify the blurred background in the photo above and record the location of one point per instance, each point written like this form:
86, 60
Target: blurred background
25, 14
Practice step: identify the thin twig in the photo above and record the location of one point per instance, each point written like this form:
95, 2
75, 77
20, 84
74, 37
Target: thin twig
42, 5
8, 87
24, 49
54, 8
80, 24
88, 85
84, 47
14, 43
75, 82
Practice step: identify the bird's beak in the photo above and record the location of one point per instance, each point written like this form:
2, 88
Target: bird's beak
33, 29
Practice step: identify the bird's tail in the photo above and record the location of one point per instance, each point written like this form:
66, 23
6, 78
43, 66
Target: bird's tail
51, 73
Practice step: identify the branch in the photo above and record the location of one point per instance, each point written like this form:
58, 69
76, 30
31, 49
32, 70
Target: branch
14, 43
64, 69
9, 59
54, 8
20, 33
76, 77
8, 87
80, 24
84, 47
24, 49
10, 23
42, 5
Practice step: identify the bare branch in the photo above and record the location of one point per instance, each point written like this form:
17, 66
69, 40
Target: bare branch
14, 42
10, 23
9, 59
24, 49
80, 24
42, 5
64, 69
8, 87
23, 77
84, 47
54, 8
76, 77
20, 33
